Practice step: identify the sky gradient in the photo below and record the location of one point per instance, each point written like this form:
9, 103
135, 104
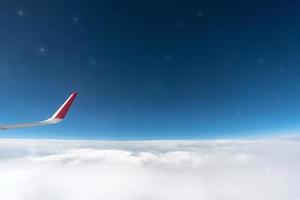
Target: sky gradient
151, 69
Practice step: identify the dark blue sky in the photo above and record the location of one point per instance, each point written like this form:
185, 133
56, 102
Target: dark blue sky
151, 69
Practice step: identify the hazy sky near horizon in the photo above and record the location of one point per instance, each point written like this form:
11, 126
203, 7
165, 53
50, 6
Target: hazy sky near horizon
151, 69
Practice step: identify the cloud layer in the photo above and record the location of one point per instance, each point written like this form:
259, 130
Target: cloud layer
161, 170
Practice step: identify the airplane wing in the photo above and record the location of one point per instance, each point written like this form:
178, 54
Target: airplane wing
57, 117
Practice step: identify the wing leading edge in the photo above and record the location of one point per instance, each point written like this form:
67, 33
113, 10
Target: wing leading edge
57, 117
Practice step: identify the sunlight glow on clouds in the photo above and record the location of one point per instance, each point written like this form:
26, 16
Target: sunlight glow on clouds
163, 170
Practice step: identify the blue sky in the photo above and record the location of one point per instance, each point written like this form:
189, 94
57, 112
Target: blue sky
151, 69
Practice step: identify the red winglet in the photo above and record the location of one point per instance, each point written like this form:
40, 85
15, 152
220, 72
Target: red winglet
63, 110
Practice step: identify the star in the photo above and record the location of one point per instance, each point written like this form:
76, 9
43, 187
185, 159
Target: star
260, 61
178, 24
168, 56
20, 13
200, 14
282, 69
93, 62
75, 19
42, 50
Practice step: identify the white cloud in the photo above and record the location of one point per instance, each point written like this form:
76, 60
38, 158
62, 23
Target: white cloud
162, 170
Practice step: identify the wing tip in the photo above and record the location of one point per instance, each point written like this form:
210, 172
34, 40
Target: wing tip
63, 110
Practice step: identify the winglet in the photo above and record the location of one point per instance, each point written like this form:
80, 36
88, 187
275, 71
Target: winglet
63, 110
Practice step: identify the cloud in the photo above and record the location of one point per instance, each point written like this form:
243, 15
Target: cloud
160, 170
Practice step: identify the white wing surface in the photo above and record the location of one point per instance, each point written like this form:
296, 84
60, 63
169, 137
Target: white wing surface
58, 116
